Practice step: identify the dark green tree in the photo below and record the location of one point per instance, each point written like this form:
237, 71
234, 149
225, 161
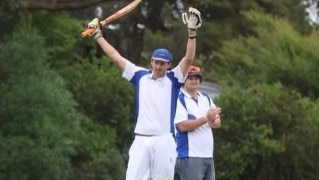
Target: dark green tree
100, 92
11, 12
104, 96
278, 53
268, 132
39, 121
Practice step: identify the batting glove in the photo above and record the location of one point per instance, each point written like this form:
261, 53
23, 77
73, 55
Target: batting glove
193, 21
95, 25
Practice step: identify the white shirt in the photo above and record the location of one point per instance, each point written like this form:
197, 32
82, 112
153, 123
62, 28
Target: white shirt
155, 100
199, 142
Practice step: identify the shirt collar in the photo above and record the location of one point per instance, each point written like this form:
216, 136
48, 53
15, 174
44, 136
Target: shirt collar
189, 96
150, 76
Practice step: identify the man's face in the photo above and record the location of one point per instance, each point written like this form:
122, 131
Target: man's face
192, 82
159, 68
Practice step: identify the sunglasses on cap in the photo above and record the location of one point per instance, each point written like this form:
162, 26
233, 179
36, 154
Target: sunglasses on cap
193, 69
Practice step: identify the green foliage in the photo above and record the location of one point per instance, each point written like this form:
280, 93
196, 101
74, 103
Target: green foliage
95, 155
226, 20
94, 141
103, 95
174, 42
107, 99
11, 12
38, 117
110, 166
267, 132
104, 99
276, 53
62, 35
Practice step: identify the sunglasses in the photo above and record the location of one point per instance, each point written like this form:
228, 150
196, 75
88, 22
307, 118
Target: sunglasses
194, 69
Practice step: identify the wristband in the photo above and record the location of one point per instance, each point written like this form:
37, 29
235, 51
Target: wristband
192, 33
98, 34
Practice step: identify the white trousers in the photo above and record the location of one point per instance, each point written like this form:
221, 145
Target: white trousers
152, 158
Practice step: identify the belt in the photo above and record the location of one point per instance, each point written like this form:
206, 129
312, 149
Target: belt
144, 135
152, 135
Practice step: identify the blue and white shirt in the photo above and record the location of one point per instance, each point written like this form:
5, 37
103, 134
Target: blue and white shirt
199, 142
155, 100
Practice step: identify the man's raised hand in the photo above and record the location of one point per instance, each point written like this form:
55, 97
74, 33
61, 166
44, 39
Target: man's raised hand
94, 24
193, 21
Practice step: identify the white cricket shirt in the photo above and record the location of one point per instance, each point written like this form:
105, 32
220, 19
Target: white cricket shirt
155, 100
199, 142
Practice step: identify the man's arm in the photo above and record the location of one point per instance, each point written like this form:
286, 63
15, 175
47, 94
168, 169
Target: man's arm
181, 119
193, 21
112, 53
188, 59
190, 125
212, 117
106, 47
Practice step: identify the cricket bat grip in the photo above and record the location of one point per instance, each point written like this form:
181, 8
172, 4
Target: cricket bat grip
87, 32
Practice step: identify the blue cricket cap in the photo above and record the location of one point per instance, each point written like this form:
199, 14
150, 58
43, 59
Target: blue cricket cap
162, 54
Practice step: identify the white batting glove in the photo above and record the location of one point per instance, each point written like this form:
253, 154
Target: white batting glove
96, 25
193, 21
